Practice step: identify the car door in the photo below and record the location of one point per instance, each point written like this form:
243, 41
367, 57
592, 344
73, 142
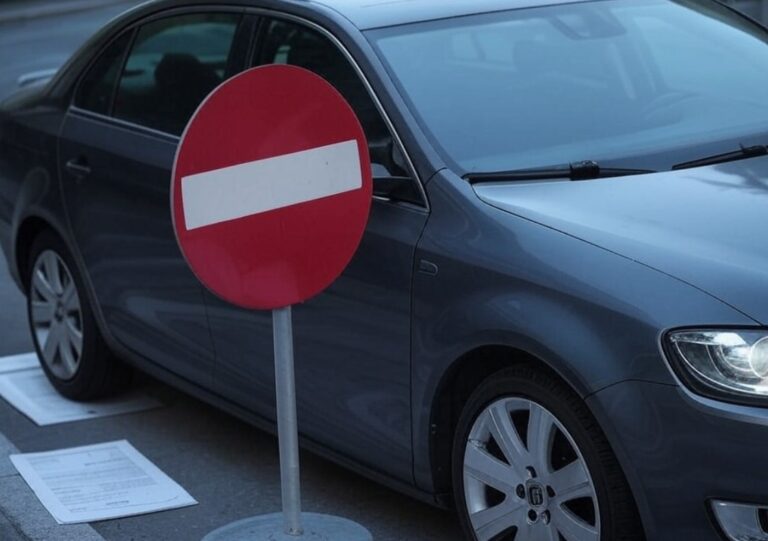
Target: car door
352, 343
116, 153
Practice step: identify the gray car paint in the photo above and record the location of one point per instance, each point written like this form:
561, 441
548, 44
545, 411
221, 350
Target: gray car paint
706, 226
592, 315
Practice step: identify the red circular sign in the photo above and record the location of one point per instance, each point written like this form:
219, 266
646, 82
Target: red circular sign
271, 188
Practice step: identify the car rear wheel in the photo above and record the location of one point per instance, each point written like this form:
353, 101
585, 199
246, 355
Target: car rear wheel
71, 349
530, 463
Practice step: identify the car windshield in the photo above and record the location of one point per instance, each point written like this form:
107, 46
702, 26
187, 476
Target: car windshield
640, 83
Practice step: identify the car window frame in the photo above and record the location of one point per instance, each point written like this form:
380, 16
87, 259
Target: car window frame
265, 15
233, 56
252, 23
131, 33
241, 38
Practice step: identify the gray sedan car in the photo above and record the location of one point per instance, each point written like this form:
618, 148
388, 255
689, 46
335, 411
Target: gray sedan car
556, 321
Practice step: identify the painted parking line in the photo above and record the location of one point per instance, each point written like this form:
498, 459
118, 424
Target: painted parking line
13, 363
24, 385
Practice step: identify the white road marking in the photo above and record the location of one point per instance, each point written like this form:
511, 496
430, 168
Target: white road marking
261, 186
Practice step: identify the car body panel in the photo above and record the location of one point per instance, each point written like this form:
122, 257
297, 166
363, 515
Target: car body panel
680, 451
121, 222
149, 299
29, 178
512, 282
705, 226
352, 348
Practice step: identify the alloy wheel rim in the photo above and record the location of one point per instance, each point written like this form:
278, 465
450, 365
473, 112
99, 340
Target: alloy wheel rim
56, 315
526, 479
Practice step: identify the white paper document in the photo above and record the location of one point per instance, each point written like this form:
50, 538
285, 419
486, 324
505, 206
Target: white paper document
28, 390
99, 482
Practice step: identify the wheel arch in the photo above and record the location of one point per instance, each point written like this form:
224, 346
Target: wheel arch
29, 229
32, 225
456, 386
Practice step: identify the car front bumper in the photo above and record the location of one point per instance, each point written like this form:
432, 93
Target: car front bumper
683, 453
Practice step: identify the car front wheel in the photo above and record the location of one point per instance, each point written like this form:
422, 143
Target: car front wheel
68, 342
530, 463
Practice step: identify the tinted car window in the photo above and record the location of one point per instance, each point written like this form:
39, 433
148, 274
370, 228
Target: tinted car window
293, 44
633, 82
174, 64
98, 86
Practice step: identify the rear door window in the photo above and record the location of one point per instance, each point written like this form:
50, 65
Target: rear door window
173, 65
98, 86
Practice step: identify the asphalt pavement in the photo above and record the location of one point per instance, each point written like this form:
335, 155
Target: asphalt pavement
230, 467
14, 331
49, 35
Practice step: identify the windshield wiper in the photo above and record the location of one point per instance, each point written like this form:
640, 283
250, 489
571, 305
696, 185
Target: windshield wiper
586, 170
741, 154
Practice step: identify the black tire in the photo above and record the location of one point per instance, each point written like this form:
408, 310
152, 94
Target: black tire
99, 373
619, 519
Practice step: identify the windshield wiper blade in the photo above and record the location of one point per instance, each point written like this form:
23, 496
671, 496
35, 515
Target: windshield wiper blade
587, 170
741, 154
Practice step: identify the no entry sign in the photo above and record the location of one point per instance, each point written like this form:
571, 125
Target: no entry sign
271, 188
270, 195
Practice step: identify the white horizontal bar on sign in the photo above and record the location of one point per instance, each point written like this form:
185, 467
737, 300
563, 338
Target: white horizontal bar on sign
261, 186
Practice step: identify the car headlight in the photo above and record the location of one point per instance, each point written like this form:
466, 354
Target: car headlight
730, 364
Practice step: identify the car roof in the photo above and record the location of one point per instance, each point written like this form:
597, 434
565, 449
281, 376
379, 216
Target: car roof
367, 14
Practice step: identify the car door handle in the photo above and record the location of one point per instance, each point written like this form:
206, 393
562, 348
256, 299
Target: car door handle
78, 167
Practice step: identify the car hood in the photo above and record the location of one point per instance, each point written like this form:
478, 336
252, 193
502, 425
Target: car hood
707, 226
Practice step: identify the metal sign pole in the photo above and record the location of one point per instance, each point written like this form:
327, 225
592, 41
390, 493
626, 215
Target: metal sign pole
287, 422
288, 525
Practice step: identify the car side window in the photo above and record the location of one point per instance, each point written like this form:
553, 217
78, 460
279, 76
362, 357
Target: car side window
173, 65
293, 44
98, 86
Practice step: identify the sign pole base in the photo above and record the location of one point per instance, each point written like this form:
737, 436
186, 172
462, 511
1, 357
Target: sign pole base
270, 528
291, 524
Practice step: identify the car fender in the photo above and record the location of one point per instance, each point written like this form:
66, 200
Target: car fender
496, 280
